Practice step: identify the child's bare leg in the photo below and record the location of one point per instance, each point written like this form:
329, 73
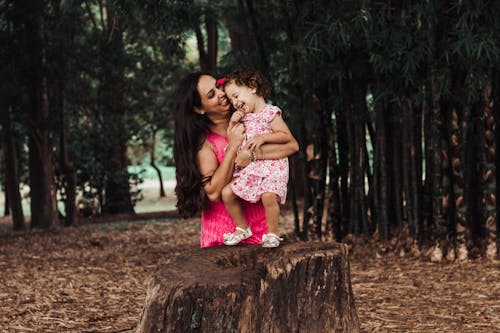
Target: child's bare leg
233, 207
272, 208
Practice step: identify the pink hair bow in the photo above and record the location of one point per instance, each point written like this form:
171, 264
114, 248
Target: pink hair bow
221, 81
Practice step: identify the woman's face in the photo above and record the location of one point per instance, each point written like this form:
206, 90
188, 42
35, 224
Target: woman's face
213, 99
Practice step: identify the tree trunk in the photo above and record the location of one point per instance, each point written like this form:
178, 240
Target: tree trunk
381, 166
293, 194
427, 187
496, 116
67, 167
352, 158
417, 171
207, 55
438, 213
395, 178
246, 289
309, 213
361, 166
343, 167
256, 33
457, 167
41, 166
12, 194
153, 164
6, 206
202, 54
319, 163
212, 38
490, 183
112, 101
333, 228
405, 160
448, 197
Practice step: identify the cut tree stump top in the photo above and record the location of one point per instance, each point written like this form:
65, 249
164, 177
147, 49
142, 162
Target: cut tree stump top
298, 287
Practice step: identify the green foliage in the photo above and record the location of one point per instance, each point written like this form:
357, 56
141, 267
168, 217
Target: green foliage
325, 59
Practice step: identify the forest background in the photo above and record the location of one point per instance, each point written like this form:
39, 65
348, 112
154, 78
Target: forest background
394, 104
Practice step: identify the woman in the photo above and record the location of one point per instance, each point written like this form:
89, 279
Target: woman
205, 152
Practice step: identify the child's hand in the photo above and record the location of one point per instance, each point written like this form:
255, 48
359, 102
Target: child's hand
235, 135
236, 117
243, 159
255, 143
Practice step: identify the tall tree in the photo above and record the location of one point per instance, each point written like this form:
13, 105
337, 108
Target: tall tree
207, 51
41, 164
10, 162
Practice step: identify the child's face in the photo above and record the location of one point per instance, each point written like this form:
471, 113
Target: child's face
242, 97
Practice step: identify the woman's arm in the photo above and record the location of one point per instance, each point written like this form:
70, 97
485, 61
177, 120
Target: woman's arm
271, 151
219, 175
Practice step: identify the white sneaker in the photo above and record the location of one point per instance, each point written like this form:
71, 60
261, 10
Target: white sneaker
234, 238
271, 240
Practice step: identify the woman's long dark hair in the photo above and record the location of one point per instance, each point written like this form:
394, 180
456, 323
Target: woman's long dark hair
190, 131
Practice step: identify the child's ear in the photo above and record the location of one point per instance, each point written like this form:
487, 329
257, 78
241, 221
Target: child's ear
253, 85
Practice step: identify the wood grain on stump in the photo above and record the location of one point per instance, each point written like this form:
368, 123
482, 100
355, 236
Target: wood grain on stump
298, 287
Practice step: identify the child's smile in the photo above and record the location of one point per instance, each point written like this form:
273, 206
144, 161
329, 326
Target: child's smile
241, 97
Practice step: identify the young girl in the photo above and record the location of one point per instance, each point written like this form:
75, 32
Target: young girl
262, 179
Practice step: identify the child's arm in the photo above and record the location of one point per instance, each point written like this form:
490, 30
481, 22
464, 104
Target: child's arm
281, 134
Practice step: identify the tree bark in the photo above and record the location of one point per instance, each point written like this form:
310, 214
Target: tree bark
382, 204
207, 55
41, 165
417, 174
112, 102
496, 117
67, 167
490, 182
343, 166
256, 33
395, 178
212, 39
6, 207
202, 54
298, 287
153, 164
12, 194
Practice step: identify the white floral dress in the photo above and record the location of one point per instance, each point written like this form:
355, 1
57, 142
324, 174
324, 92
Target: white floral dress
261, 176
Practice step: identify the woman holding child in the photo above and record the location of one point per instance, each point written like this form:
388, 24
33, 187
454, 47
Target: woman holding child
206, 150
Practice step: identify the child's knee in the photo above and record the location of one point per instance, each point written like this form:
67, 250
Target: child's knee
269, 199
227, 193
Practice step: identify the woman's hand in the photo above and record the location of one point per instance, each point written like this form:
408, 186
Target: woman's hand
243, 159
235, 135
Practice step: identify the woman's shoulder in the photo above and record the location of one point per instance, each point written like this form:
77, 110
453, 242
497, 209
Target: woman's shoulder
206, 145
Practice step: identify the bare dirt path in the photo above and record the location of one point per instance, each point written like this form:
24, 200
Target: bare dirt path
93, 279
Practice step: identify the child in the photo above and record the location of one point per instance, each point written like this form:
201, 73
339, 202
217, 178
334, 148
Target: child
262, 179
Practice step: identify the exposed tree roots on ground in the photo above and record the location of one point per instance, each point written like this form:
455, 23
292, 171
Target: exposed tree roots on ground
93, 279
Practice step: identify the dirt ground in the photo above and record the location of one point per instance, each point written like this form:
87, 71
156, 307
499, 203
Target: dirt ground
92, 278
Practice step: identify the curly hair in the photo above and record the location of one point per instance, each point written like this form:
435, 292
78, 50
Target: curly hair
251, 78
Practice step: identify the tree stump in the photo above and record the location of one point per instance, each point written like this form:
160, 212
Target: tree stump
298, 287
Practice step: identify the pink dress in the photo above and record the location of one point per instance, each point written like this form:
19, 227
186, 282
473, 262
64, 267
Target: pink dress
261, 176
215, 221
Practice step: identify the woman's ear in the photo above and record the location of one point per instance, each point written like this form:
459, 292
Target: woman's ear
198, 110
